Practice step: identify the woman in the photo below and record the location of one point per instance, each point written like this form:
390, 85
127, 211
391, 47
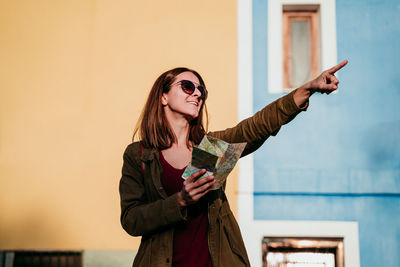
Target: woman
184, 222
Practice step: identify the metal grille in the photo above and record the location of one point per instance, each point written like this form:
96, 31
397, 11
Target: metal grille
27, 258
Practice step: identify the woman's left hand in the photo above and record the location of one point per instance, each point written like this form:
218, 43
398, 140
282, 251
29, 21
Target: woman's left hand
325, 83
193, 188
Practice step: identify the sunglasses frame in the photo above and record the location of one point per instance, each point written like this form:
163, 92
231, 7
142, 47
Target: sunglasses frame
184, 86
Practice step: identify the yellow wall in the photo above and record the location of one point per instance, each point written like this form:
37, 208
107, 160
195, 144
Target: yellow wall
74, 76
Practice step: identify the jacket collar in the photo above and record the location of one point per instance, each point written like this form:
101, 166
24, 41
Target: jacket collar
150, 158
148, 155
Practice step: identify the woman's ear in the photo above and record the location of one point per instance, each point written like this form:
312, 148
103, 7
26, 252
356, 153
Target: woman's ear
164, 99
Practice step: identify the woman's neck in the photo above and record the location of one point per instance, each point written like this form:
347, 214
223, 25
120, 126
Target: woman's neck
180, 127
179, 154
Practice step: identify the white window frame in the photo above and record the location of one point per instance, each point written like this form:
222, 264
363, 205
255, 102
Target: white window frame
328, 49
253, 231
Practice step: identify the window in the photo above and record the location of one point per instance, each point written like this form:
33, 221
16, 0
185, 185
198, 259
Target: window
302, 252
311, 25
300, 42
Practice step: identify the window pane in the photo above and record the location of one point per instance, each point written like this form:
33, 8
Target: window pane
300, 47
300, 259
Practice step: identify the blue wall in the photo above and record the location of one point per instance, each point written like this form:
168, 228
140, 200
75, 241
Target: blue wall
340, 160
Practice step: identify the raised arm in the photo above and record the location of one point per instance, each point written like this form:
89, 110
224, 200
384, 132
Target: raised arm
268, 121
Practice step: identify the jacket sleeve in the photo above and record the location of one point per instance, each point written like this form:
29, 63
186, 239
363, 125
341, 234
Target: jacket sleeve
139, 216
266, 122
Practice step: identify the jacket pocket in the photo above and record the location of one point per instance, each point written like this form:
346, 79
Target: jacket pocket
232, 246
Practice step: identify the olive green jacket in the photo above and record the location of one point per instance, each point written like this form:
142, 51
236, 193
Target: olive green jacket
147, 211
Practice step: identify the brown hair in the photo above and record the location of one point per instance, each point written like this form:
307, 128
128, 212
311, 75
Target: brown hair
153, 128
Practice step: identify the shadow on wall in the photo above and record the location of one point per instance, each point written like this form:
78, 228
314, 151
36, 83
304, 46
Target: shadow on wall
382, 143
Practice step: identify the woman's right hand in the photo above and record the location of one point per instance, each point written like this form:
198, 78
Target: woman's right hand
193, 190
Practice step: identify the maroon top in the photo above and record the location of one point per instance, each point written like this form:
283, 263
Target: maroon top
190, 237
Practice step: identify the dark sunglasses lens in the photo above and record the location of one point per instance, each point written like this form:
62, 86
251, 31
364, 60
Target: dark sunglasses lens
187, 87
203, 91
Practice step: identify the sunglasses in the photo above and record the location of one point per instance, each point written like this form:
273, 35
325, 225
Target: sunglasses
189, 87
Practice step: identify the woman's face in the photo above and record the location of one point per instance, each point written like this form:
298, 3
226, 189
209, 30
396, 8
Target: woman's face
177, 103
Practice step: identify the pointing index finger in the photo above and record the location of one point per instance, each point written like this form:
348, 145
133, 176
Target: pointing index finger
338, 67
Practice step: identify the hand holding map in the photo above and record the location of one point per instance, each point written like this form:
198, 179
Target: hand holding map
216, 156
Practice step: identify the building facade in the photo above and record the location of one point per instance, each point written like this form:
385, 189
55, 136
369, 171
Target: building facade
334, 170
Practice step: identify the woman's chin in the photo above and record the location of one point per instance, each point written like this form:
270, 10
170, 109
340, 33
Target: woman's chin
191, 117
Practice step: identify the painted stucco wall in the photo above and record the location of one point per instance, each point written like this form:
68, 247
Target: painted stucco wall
74, 76
340, 160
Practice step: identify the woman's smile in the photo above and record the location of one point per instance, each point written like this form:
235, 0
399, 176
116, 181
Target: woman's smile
194, 103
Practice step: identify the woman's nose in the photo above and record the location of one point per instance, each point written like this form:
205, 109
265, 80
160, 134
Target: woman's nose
197, 92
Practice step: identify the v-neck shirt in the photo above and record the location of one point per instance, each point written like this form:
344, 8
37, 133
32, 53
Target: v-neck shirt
190, 247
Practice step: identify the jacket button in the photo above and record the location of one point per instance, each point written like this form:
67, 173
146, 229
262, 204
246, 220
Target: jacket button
161, 188
167, 260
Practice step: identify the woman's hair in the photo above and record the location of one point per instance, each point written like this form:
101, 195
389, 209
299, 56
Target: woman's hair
153, 128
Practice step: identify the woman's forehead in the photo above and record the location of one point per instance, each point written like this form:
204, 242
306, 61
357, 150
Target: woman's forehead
187, 75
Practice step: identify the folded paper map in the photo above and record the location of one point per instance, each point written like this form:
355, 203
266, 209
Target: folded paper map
216, 156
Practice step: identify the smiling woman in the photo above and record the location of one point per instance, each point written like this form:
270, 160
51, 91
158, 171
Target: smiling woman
151, 127
185, 222
184, 97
